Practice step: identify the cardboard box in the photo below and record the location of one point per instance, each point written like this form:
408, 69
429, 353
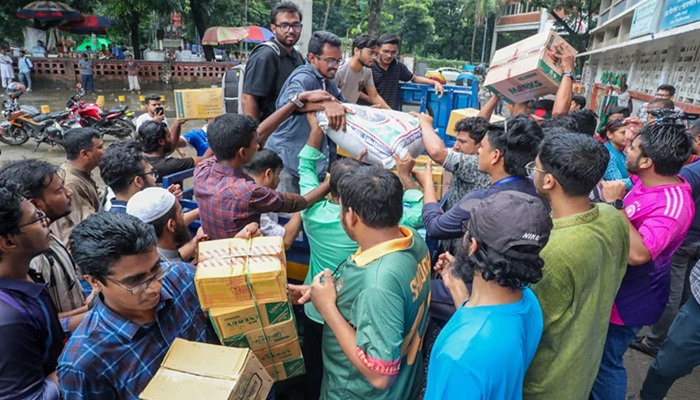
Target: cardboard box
458, 115
278, 354
524, 70
286, 369
230, 268
193, 370
198, 103
258, 339
233, 321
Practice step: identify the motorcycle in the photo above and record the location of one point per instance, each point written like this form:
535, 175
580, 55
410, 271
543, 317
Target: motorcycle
115, 121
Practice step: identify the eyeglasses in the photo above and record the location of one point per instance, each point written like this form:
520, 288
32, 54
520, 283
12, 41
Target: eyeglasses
40, 216
332, 62
284, 27
390, 53
153, 173
530, 168
142, 286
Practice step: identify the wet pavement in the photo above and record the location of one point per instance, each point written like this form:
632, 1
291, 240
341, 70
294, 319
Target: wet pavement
637, 363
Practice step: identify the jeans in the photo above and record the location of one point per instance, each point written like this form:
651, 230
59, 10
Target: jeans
679, 354
87, 83
288, 182
683, 261
611, 382
25, 78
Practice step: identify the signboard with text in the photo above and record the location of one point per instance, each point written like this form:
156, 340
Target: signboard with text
679, 12
646, 18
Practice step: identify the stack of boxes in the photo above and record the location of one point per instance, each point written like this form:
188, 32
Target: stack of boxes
243, 283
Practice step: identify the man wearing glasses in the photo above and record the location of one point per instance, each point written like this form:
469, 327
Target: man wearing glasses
32, 338
271, 63
355, 76
144, 303
388, 72
324, 59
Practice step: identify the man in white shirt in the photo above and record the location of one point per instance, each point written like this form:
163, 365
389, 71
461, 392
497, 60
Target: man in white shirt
355, 76
6, 72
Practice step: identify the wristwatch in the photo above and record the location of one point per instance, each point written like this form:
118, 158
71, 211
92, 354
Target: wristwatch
618, 204
296, 101
569, 74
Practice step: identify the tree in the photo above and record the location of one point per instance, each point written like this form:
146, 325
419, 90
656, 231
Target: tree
483, 8
411, 21
575, 17
375, 12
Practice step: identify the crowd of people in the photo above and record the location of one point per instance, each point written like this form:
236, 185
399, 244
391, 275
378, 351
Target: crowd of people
557, 243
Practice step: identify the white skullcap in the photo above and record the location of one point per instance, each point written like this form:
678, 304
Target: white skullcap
150, 204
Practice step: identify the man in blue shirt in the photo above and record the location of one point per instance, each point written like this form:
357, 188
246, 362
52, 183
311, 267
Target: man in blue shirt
144, 304
486, 347
25, 70
325, 56
32, 338
117, 52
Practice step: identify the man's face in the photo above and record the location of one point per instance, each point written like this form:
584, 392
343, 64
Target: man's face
250, 151
95, 154
634, 158
367, 56
485, 155
130, 272
538, 178
387, 53
56, 199
328, 62
33, 237
148, 178
182, 233
663, 94
152, 105
574, 106
284, 30
168, 144
465, 144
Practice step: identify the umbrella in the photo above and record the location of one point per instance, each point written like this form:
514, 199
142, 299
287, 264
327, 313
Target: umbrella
258, 34
91, 24
223, 35
88, 42
48, 10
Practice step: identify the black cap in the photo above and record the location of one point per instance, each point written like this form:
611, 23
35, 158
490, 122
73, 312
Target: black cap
508, 219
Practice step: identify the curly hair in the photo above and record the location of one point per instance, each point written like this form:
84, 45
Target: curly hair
10, 207
507, 271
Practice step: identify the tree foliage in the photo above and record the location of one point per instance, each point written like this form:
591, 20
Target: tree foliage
576, 20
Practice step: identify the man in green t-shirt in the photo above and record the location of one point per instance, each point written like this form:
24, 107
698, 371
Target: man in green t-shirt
375, 303
585, 260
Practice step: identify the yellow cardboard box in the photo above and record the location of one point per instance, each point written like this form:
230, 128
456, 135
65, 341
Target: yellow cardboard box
258, 339
457, 115
198, 103
280, 353
193, 370
229, 268
232, 321
286, 369
524, 70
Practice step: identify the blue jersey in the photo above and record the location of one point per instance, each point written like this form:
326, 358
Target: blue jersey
483, 352
197, 138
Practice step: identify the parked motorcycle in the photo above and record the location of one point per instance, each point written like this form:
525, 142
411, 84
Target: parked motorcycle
115, 121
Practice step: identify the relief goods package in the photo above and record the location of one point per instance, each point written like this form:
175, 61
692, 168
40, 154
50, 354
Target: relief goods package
381, 132
524, 70
462, 113
198, 103
233, 321
194, 370
239, 272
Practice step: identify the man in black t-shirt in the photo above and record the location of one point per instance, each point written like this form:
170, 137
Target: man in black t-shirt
271, 63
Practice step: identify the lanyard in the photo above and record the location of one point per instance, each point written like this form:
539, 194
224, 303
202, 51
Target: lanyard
508, 179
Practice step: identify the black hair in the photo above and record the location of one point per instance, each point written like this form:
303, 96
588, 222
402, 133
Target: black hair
518, 143
578, 162
77, 139
586, 119
264, 159
375, 195
565, 122
10, 207
506, 271
661, 103
580, 100
667, 146
389, 38
364, 42
669, 88
159, 224
694, 128
320, 39
102, 239
283, 8
121, 163
338, 170
152, 97
85, 54
620, 110
229, 133
547, 104
476, 127
32, 175
22, 52
149, 134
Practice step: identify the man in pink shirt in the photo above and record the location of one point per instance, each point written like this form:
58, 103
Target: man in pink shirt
660, 210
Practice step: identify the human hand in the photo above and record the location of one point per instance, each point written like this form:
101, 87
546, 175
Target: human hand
613, 190
632, 127
299, 294
323, 293
405, 166
313, 119
181, 153
425, 176
566, 58
179, 122
335, 112
200, 236
362, 155
439, 89
176, 190
249, 231
316, 96
159, 117
444, 263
